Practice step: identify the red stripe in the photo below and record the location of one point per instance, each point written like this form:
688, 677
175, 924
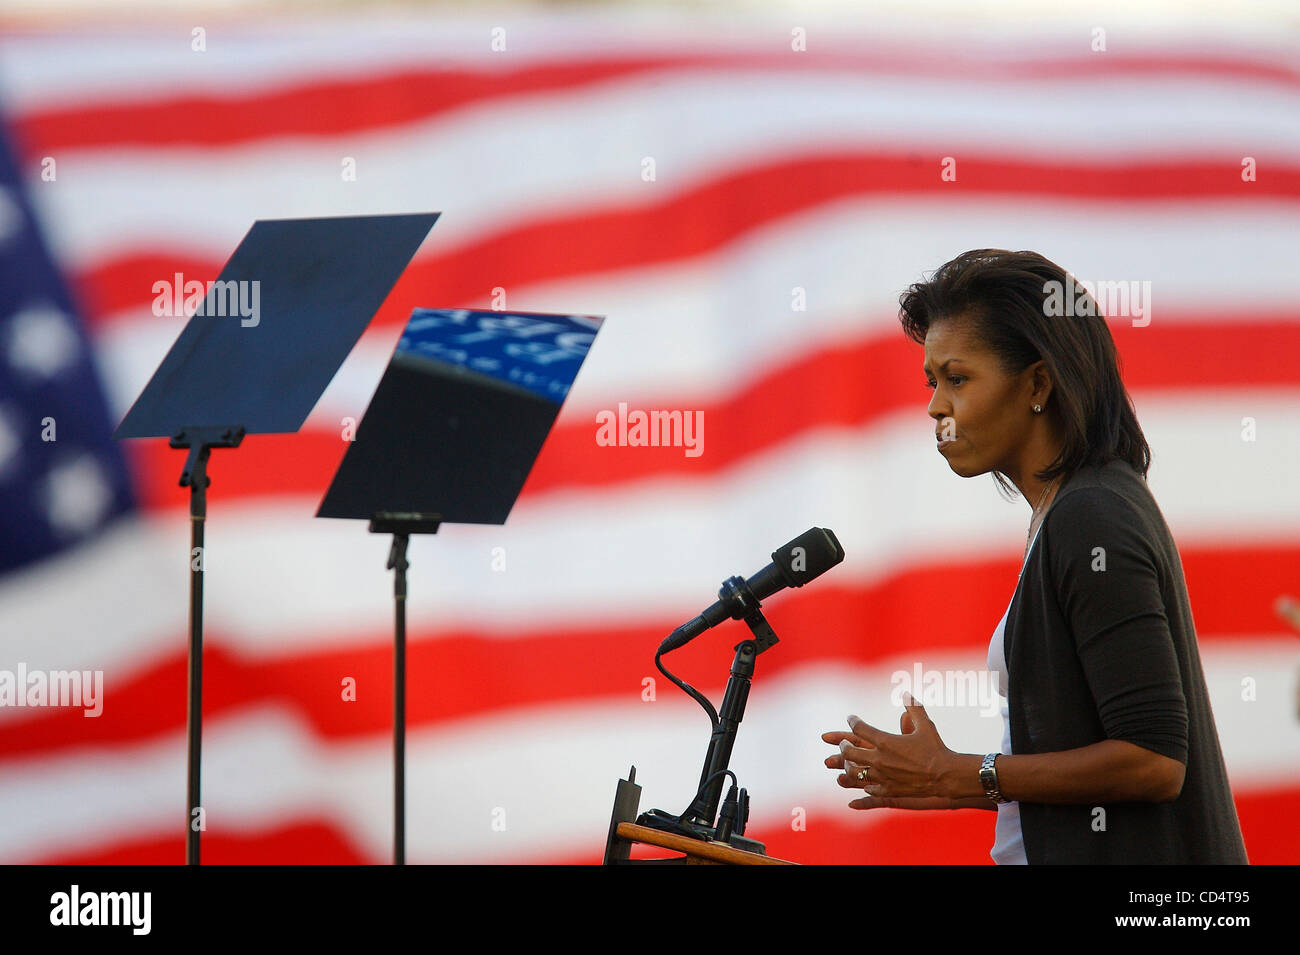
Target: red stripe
828, 388
306, 842
460, 674
849, 837
709, 217
351, 106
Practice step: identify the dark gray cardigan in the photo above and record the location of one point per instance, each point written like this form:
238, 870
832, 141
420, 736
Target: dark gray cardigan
1100, 644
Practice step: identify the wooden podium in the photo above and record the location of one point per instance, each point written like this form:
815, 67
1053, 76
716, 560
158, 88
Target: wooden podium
624, 833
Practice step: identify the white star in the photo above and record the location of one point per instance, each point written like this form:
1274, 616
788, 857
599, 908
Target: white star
42, 340
10, 445
77, 495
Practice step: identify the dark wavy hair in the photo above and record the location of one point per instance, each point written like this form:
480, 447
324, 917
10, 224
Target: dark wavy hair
1004, 294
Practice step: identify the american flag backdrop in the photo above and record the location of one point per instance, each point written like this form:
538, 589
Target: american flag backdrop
744, 200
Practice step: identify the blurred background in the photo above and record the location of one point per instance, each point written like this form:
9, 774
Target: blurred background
743, 190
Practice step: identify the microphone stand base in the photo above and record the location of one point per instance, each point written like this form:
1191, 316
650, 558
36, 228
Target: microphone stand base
667, 822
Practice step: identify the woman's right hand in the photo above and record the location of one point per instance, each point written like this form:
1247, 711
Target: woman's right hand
849, 777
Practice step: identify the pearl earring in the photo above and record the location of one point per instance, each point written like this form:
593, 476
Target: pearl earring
1037, 409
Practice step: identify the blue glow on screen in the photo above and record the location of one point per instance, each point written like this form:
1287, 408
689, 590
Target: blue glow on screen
541, 353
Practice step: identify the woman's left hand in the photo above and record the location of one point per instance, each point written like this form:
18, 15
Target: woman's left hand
915, 763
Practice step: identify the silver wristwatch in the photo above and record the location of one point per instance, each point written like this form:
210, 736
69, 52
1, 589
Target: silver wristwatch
989, 777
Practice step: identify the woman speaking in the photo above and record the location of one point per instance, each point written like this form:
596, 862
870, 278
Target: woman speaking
1109, 751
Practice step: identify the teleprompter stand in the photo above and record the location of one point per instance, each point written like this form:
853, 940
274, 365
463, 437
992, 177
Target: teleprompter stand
253, 359
401, 526
450, 435
200, 442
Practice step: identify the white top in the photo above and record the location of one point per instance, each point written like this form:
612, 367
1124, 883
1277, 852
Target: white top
1008, 845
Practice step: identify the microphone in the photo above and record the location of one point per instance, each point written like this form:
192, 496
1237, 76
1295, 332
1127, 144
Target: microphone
805, 558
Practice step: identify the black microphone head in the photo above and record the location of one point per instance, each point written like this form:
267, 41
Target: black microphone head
808, 556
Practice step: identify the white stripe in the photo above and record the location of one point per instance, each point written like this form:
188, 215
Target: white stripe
50, 70
585, 150
672, 330
70, 68
263, 768
281, 582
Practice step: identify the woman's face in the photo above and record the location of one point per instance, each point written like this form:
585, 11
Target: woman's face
986, 413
